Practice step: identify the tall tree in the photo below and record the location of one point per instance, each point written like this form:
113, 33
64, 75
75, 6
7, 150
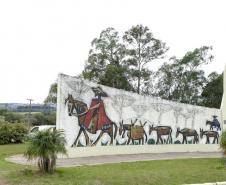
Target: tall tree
142, 48
105, 63
183, 79
52, 95
213, 91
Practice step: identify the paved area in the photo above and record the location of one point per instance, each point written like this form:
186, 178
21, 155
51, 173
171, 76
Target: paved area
95, 160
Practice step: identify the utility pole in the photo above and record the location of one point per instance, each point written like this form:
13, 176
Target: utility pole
30, 100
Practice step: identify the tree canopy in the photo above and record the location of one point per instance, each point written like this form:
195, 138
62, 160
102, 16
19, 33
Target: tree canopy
213, 91
105, 64
123, 62
141, 49
183, 80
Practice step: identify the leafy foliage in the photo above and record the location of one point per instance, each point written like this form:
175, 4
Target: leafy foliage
151, 142
213, 91
12, 133
48, 118
42, 118
223, 142
141, 49
52, 96
123, 63
45, 145
105, 61
120, 64
183, 80
177, 142
12, 117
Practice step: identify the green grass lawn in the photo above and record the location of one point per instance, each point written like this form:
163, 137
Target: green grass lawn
166, 172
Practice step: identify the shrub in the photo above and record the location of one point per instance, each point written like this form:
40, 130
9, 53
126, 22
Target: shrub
223, 142
48, 118
151, 141
190, 141
177, 142
20, 130
5, 133
44, 146
12, 133
13, 117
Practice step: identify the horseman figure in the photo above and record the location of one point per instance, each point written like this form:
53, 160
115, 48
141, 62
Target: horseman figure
96, 117
214, 124
92, 119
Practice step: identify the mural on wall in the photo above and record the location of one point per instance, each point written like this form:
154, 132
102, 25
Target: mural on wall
79, 88
140, 110
214, 124
186, 132
119, 117
162, 131
209, 134
186, 115
137, 133
193, 112
177, 112
93, 118
121, 101
161, 108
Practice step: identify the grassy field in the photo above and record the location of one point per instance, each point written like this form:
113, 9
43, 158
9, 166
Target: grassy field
166, 172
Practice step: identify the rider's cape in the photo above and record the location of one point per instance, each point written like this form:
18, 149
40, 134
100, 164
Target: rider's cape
96, 118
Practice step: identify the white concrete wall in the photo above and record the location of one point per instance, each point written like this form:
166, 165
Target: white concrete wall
223, 103
127, 105
138, 149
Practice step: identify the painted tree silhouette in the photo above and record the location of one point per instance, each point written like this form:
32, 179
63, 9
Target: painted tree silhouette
161, 108
121, 101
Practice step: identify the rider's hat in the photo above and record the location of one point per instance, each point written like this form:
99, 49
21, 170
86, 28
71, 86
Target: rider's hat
214, 116
98, 91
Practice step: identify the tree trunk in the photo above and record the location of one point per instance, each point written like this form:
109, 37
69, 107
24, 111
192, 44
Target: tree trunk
47, 165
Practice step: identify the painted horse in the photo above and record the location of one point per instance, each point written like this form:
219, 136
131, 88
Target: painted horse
187, 132
208, 134
161, 131
91, 120
213, 124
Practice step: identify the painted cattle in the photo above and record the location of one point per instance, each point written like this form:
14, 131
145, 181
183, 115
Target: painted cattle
162, 131
137, 132
208, 134
187, 132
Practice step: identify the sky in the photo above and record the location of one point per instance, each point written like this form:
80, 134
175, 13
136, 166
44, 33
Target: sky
40, 39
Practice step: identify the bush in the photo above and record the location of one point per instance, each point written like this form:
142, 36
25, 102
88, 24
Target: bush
5, 133
48, 118
20, 130
13, 117
177, 142
151, 141
190, 141
223, 142
44, 146
12, 133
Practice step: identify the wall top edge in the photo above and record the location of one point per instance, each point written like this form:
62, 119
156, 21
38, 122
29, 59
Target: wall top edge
62, 76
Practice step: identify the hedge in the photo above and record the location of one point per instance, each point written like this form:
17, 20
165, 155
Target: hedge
12, 132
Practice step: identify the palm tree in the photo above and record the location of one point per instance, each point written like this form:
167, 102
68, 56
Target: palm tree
44, 146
